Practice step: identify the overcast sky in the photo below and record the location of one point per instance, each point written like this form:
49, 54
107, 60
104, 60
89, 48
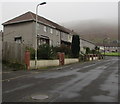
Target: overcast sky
62, 12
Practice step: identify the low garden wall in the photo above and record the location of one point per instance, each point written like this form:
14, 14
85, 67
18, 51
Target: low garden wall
30, 64
46, 63
43, 63
71, 60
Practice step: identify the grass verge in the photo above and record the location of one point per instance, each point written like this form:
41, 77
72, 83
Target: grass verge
112, 54
13, 66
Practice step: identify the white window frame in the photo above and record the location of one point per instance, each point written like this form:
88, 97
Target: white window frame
57, 32
58, 43
18, 39
45, 28
51, 42
51, 30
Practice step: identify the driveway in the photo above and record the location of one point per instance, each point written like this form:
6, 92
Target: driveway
95, 81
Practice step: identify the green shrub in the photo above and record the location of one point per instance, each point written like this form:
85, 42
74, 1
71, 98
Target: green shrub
88, 50
93, 51
97, 50
75, 47
81, 57
63, 49
45, 52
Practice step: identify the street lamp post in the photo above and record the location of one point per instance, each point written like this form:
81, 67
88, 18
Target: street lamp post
104, 45
36, 33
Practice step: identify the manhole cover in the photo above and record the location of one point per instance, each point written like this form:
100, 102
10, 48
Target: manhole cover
39, 97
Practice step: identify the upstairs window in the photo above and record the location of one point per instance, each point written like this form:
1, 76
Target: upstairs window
51, 31
61, 35
57, 33
38, 26
58, 43
18, 39
45, 28
70, 37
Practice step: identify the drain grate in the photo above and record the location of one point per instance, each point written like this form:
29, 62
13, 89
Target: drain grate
39, 97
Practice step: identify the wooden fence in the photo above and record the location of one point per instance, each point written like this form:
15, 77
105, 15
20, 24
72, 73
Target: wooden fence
13, 52
0, 51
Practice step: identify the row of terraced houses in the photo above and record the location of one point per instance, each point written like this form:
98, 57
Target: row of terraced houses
22, 30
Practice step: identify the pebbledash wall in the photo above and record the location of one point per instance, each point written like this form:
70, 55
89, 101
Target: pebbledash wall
24, 25
46, 63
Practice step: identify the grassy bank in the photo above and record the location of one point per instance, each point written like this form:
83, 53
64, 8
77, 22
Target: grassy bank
13, 66
112, 54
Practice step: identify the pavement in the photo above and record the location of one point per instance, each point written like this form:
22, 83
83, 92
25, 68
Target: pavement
94, 81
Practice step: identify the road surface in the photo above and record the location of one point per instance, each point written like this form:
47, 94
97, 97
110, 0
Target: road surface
95, 81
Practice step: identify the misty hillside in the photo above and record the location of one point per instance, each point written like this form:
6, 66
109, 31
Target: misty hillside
94, 30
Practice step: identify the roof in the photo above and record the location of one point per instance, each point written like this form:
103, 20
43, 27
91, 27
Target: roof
109, 45
29, 16
87, 41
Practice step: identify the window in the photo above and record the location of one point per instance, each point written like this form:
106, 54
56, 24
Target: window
57, 33
18, 39
58, 43
51, 42
51, 31
70, 37
61, 35
39, 42
45, 28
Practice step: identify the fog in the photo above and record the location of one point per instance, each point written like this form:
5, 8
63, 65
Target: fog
64, 12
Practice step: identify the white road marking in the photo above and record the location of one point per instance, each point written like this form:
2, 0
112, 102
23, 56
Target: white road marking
19, 88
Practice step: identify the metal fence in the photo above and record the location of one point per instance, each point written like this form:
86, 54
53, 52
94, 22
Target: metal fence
13, 52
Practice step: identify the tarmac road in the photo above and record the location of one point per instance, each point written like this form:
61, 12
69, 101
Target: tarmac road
95, 81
